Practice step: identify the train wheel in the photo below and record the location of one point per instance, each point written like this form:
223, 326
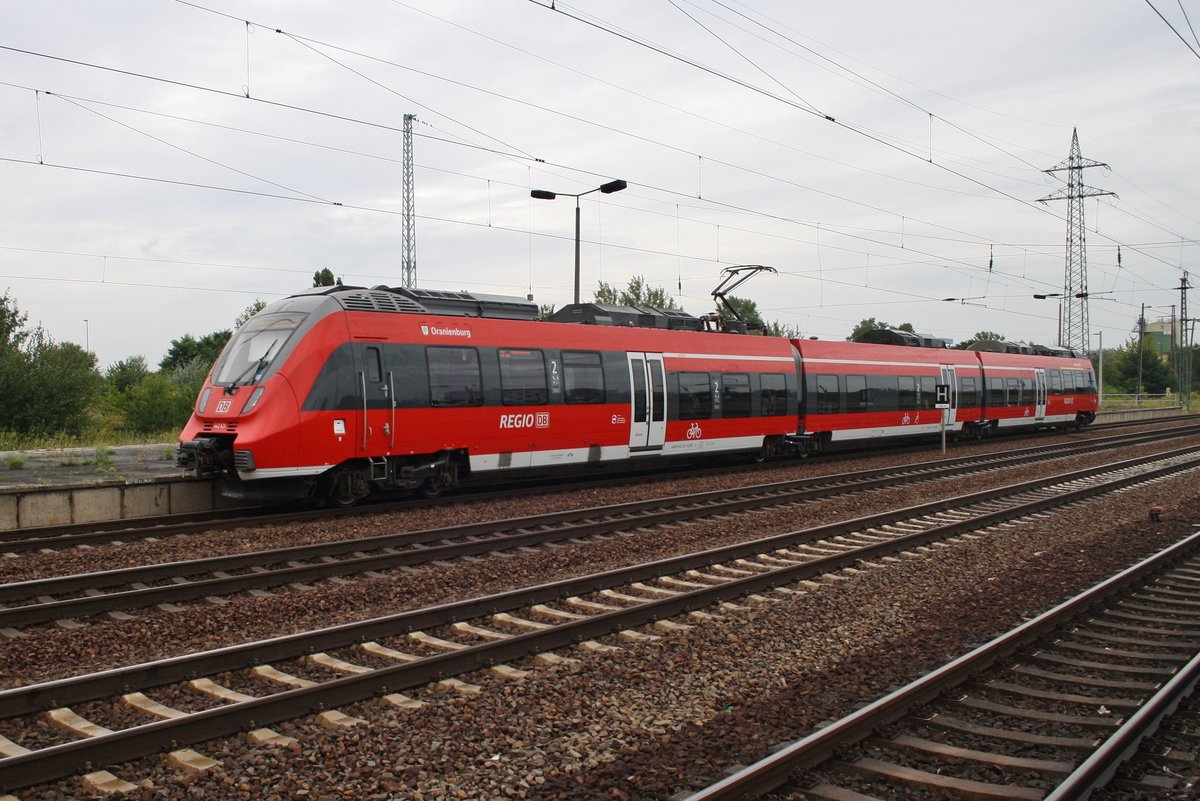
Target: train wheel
347, 488
432, 488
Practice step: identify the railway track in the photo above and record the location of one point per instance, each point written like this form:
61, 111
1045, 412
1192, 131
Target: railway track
316, 672
96, 533
1049, 710
68, 598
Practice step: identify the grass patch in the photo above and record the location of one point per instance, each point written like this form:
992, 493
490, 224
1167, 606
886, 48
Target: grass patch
15, 461
99, 438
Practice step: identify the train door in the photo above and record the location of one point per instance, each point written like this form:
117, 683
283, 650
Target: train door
648, 404
1039, 390
377, 410
950, 378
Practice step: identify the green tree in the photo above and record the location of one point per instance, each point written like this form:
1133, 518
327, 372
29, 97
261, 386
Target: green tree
748, 311
1122, 368
545, 311
978, 337
324, 277
637, 293
251, 310
183, 350
46, 387
152, 405
126, 373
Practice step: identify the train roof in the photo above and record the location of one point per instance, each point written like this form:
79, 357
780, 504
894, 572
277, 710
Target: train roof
402, 300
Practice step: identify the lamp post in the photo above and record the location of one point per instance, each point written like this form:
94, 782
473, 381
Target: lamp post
607, 189
1100, 388
1055, 295
87, 337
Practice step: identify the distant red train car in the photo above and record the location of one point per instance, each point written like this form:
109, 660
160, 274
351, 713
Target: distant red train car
337, 391
862, 391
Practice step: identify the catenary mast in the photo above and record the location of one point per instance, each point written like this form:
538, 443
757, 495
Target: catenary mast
409, 215
1073, 329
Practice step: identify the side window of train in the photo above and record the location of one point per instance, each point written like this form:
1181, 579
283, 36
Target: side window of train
1056, 382
856, 393
522, 377
908, 392
968, 393
773, 400
735, 394
928, 397
454, 378
583, 377
1013, 386
829, 401
996, 392
695, 397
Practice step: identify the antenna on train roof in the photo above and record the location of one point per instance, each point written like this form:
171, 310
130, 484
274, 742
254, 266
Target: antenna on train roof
735, 277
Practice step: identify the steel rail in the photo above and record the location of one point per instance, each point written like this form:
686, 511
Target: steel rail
567, 523
62, 760
1098, 769
61, 691
772, 772
27, 539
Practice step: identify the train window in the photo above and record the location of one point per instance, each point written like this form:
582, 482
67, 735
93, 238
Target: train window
255, 346
1014, 391
774, 394
454, 378
1027, 391
1089, 382
828, 399
637, 370
522, 377
658, 410
735, 394
1055, 381
856, 393
908, 392
695, 396
583, 377
928, 399
968, 393
995, 395
883, 391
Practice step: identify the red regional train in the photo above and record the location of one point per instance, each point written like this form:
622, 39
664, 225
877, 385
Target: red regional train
337, 391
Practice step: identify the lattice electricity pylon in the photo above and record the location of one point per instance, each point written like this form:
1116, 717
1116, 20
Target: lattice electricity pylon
409, 212
1073, 330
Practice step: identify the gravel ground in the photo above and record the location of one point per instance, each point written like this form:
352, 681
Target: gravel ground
651, 720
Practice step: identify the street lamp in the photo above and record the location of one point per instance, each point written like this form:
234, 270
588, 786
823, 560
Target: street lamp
607, 189
1100, 387
1055, 295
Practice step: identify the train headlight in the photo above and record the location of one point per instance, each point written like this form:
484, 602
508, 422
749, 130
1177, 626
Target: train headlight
253, 401
202, 404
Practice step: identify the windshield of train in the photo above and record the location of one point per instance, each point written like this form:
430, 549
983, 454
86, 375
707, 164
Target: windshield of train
254, 346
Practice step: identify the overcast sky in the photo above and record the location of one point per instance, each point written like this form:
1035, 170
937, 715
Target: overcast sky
165, 164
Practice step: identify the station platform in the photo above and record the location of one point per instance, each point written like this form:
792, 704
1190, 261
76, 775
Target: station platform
62, 486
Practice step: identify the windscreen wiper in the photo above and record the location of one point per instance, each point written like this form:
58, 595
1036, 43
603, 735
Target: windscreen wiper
254, 368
